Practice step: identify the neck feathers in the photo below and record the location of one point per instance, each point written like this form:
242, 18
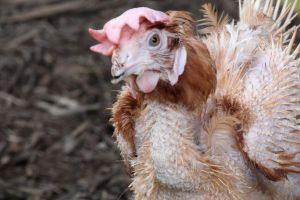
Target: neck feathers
199, 78
196, 83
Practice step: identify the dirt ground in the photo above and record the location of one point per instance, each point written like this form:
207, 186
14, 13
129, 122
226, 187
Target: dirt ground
55, 95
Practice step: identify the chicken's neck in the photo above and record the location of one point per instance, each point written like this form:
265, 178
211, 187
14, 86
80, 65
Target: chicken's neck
196, 83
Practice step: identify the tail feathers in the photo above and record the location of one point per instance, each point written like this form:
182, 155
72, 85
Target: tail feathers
253, 13
212, 21
264, 13
233, 46
258, 65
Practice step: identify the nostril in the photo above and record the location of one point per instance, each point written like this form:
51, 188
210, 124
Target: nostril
128, 57
116, 63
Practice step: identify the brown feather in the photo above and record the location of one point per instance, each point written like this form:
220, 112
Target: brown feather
124, 111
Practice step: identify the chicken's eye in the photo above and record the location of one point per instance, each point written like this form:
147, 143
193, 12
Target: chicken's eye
154, 40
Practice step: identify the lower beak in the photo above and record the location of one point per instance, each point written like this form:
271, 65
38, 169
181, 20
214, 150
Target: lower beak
118, 78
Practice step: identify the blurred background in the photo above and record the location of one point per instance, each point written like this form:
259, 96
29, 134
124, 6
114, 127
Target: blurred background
55, 95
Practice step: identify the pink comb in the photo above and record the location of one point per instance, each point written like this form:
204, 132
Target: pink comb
110, 36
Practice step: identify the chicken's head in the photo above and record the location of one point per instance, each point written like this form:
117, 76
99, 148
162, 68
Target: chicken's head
146, 46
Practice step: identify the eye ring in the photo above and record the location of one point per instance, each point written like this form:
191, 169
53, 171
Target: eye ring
154, 40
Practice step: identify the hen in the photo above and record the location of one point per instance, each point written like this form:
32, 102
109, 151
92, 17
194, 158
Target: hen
213, 115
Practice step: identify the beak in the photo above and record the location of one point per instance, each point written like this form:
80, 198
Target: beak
120, 68
117, 71
117, 79
119, 74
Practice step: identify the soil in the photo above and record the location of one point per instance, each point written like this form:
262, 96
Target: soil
55, 95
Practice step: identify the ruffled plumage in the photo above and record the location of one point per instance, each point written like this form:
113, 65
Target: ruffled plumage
240, 138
